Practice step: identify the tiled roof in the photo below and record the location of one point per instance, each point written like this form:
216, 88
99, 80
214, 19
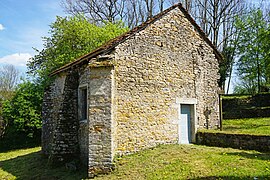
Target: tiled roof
114, 42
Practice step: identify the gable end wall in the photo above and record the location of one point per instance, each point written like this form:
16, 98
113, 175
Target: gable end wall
158, 65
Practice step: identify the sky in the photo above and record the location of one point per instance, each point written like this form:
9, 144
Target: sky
22, 24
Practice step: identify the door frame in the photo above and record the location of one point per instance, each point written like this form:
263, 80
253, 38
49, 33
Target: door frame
193, 117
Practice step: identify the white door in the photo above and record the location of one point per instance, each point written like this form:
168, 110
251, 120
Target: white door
185, 125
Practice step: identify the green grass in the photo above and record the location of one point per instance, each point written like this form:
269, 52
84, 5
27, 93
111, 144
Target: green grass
30, 164
257, 126
192, 162
163, 162
236, 96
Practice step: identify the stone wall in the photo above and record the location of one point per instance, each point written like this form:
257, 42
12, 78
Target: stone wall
53, 96
239, 141
83, 133
63, 135
83, 142
133, 95
60, 119
100, 120
165, 61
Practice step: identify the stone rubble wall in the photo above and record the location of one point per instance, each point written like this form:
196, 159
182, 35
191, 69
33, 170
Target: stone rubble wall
83, 142
239, 141
60, 118
165, 61
53, 96
63, 135
132, 98
100, 120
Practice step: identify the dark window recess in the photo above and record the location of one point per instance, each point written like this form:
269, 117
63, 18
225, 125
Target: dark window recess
83, 102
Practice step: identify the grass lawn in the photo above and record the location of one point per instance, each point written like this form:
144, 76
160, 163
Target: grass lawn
163, 162
259, 126
29, 164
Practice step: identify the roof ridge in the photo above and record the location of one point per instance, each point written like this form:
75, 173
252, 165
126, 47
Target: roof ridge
119, 39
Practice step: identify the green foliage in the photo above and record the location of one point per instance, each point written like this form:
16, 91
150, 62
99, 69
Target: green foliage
23, 112
13, 139
9, 77
2, 123
226, 64
245, 87
253, 52
70, 38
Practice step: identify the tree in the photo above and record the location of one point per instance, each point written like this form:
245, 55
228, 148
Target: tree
216, 17
230, 54
2, 122
22, 113
96, 10
70, 38
253, 51
132, 12
9, 77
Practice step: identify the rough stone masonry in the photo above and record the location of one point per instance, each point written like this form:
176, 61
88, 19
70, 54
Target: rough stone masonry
135, 87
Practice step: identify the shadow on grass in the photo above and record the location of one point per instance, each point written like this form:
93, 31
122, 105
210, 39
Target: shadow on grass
231, 178
6, 148
35, 166
18, 140
261, 156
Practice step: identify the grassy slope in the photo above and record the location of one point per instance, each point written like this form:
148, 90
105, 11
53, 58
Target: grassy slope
163, 162
30, 164
192, 162
259, 126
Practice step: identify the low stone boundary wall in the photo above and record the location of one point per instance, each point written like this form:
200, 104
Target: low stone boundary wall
239, 141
